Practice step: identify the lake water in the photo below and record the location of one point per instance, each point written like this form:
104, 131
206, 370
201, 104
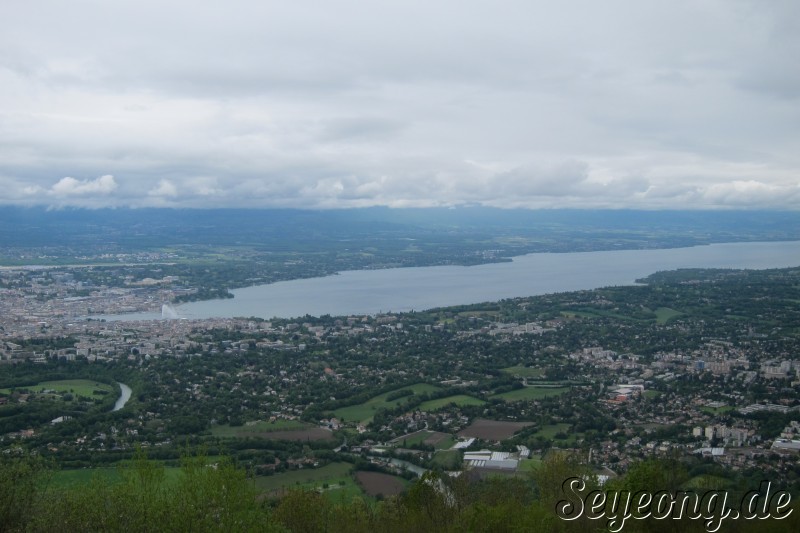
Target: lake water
362, 292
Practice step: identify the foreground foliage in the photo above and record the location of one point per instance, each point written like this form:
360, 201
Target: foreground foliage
205, 497
220, 497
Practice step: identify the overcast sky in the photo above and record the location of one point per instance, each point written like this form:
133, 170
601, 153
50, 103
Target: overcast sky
636, 104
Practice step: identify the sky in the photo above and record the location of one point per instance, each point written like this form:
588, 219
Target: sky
686, 104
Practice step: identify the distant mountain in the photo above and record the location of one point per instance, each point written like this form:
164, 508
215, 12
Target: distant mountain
146, 228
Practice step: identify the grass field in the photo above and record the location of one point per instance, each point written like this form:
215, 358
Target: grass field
68, 479
595, 313
440, 441
412, 439
578, 314
445, 444
458, 399
529, 465
334, 480
79, 387
258, 427
662, 315
717, 410
530, 393
651, 394
363, 412
524, 371
707, 482
333, 475
447, 459
665, 314
549, 432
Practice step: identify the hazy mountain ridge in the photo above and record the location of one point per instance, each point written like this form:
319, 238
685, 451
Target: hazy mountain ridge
157, 227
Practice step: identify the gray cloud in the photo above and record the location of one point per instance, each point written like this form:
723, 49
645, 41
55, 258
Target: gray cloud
335, 104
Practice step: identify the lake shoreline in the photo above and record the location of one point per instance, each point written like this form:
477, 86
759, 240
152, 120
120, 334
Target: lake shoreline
374, 291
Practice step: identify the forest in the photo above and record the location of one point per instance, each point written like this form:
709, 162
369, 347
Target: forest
218, 496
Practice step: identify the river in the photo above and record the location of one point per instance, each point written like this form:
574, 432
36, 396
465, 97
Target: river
360, 292
125, 395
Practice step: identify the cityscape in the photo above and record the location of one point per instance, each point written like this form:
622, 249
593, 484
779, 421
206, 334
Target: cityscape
399, 267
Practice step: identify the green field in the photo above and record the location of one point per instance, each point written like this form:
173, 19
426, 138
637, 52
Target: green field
79, 387
446, 444
458, 399
334, 479
413, 439
528, 465
578, 314
363, 412
707, 482
448, 459
651, 394
530, 393
549, 432
664, 314
419, 437
68, 479
259, 427
717, 410
524, 371
596, 313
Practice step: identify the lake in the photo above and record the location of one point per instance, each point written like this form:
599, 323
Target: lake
361, 292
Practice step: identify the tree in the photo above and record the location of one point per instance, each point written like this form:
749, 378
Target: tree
551, 476
22, 478
204, 497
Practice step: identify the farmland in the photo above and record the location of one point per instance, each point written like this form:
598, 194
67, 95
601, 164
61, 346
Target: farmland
377, 484
492, 430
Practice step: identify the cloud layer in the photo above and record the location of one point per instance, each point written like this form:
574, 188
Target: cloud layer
684, 104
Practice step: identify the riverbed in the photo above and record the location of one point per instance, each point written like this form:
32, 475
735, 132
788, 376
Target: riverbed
125, 395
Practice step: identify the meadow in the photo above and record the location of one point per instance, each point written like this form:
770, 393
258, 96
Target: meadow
530, 393
524, 371
363, 412
261, 426
458, 399
334, 479
79, 387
